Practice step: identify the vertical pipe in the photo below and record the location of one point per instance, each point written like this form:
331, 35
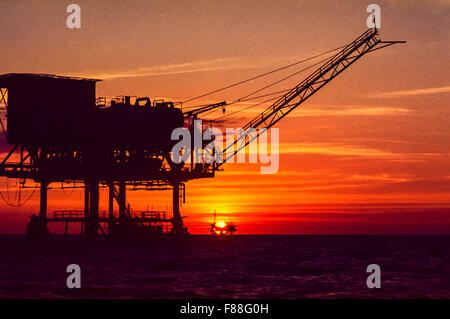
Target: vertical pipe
192, 144
110, 207
122, 200
111, 200
93, 211
177, 221
43, 201
86, 208
184, 193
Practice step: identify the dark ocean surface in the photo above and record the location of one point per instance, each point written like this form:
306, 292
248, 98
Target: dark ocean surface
238, 266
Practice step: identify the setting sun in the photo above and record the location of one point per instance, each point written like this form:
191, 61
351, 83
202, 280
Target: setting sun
220, 224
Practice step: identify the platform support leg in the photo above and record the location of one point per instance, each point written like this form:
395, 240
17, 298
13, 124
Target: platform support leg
43, 201
85, 227
37, 227
177, 220
93, 209
110, 207
122, 201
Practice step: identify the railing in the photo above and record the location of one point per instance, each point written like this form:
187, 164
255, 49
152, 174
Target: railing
76, 214
155, 215
100, 102
160, 215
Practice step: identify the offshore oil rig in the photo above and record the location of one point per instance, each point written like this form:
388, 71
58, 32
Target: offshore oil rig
222, 227
60, 132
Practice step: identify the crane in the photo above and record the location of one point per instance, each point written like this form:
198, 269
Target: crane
330, 69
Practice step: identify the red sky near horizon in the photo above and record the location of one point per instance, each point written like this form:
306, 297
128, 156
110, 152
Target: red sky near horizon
368, 154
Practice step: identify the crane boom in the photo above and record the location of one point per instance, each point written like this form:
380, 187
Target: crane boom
330, 69
203, 109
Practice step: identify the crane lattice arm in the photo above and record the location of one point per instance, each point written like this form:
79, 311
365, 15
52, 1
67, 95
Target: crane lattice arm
331, 68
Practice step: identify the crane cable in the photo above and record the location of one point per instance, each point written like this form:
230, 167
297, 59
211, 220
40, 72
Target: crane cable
20, 203
262, 75
265, 87
241, 99
250, 99
248, 107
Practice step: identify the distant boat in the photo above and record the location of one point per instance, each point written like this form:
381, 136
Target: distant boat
221, 227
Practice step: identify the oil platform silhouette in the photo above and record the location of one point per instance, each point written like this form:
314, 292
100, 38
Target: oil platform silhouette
60, 132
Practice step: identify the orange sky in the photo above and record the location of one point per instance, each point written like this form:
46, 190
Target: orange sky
368, 154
